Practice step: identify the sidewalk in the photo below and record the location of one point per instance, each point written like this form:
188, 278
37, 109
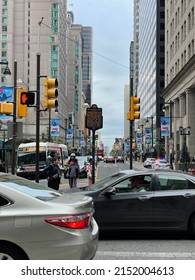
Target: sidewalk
138, 165
80, 183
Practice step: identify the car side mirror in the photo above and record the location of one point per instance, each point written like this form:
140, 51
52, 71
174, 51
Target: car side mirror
110, 191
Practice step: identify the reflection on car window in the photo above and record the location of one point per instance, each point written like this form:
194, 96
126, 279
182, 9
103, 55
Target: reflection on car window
102, 183
191, 185
29, 187
171, 183
134, 184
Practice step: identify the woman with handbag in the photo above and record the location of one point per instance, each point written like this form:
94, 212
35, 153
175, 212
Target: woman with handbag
53, 173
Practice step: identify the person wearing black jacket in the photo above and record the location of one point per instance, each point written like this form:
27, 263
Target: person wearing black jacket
52, 172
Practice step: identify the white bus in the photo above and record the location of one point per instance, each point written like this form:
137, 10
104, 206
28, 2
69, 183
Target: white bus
26, 157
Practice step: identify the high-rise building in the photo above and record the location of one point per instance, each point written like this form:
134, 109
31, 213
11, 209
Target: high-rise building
149, 58
179, 93
26, 29
87, 36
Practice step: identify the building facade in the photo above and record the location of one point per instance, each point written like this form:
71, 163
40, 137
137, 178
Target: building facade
179, 93
29, 28
149, 61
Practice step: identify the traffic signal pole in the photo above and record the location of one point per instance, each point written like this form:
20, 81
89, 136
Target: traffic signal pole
131, 146
37, 118
14, 120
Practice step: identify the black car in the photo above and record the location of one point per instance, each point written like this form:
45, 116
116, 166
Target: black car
151, 199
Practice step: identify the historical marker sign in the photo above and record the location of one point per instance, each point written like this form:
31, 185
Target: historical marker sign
94, 119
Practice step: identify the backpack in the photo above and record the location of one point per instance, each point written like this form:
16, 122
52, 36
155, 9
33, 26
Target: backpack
73, 170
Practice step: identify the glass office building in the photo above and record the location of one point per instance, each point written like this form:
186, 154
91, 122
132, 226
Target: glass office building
150, 84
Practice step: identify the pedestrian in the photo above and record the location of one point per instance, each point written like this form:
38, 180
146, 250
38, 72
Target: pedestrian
52, 172
73, 173
67, 164
71, 159
89, 172
49, 158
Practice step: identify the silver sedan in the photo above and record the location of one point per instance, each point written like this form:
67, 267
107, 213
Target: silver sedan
38, 223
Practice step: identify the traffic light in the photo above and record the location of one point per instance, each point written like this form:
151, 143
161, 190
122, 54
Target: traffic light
27, 98
134, 108
22, 107
6, 108
50, 93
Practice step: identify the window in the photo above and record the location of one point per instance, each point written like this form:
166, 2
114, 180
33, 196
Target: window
169, 183
4, 20
4, 45
4, 53
134, 184
4, 28
4, 3
3, 201
4, 37
4, 11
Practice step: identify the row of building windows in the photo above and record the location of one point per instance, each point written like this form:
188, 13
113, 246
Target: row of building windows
4, 21
182, 3
179, 64
186, 26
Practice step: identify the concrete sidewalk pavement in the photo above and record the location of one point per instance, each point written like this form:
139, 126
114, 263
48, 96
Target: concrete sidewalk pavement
80, 183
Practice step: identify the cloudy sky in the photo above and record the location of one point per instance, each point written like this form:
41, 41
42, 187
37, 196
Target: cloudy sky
112, 23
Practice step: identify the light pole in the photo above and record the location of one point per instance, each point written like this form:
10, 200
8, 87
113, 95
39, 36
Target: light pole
170, 133
14, 119
65, 129
142, 126
152, 127
185, 132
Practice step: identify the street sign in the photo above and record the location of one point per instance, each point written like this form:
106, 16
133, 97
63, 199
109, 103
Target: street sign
94, 119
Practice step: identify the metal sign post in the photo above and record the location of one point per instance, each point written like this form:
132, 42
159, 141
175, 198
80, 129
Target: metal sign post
93, 121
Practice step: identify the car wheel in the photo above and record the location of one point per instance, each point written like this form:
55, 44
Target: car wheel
191, 227
11, 253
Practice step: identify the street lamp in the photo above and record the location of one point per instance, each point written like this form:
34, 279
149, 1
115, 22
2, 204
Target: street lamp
152, 128
170, 132
185, 132
6, 69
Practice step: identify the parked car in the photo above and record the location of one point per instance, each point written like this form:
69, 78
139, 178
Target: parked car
120, 159
109, 159
39, 223
160, 200
148, 162
160, 164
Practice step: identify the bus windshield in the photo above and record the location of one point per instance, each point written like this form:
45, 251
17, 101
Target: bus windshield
30, 158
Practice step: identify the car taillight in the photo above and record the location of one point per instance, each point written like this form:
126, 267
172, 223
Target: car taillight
79, 221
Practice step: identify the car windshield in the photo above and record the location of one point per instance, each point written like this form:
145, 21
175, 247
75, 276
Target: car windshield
28, 187
103, 183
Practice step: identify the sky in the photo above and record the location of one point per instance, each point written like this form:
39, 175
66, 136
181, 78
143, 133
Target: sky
112, 23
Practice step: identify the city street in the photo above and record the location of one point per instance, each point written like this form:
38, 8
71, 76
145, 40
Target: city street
138, 246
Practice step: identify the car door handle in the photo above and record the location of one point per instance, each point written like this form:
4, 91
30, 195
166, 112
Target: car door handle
144, 197
188, 195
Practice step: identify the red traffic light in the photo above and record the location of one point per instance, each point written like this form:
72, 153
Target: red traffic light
27, 98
